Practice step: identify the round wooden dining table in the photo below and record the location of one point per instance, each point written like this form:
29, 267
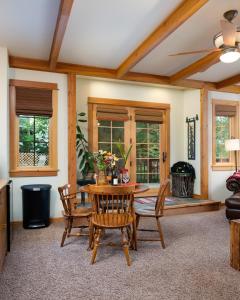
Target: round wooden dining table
138, 188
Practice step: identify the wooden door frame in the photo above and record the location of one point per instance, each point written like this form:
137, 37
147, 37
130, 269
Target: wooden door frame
92, 132
72, 168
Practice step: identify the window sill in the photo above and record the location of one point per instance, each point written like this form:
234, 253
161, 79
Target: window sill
223, 167
33, 172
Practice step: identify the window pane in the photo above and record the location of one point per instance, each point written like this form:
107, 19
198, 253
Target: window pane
154, 166
117, 124
153, 178
141, 125
104, 134
117, 135
41, 150
109, 136
104, 147
222, 134
148, 142
141, 136
41, 129
153, 136
26, 129
142, 166
154, 151
142, 150
154, 126
142, 178
104, 123
33, 141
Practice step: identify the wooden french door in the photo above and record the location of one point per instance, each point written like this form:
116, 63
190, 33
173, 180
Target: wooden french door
146, 130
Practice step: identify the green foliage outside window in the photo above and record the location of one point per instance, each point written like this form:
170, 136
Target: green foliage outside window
222, 134
33, 140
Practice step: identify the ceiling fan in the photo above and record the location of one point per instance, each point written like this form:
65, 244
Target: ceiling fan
227, 41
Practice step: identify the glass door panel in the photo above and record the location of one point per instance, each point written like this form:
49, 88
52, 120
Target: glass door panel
109, 134
148, 153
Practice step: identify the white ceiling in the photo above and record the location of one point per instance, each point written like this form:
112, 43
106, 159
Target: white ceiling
27, 26
103, 33
196, 33
218, 72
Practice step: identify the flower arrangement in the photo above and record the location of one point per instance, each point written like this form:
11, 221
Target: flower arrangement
105, 160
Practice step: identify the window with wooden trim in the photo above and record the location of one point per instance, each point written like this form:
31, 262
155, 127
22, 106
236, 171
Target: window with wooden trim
33, 128
137, 123
224, 127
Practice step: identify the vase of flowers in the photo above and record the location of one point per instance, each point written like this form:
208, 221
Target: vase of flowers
104, 161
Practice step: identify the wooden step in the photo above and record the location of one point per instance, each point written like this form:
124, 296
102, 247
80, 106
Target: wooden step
190, 208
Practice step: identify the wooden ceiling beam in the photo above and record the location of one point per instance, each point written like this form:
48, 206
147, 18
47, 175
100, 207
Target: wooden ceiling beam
201, 65
182, 13
41, 65
229, 81
61, 25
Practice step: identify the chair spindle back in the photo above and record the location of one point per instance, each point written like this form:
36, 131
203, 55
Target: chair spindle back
112, 200
159, 206
66, 198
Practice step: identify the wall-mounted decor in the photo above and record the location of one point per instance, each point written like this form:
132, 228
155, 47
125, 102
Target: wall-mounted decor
191, 137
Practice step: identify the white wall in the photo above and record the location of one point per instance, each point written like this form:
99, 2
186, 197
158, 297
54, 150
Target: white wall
115, 90
191, 109
179, 100
217, 179
4, 128
62, 177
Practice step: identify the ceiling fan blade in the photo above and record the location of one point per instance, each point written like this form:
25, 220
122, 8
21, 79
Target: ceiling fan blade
195, 52
229, 33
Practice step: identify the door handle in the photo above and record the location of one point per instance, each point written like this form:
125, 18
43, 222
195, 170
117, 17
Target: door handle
164, 156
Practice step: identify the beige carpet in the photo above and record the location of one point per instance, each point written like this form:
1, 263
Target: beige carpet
195, 265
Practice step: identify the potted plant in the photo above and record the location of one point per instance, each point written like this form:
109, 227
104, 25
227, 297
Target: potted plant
85, 157
124, 155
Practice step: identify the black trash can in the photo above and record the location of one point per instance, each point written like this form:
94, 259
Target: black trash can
36, 205
183, 176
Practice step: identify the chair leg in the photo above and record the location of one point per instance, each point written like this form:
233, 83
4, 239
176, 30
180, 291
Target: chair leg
129, 234
64, 234
160, 233
125, 245
70, 226
91, 236
96, 245
134, 235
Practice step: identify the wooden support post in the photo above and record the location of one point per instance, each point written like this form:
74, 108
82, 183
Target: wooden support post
204, 142
72, 155
235, 245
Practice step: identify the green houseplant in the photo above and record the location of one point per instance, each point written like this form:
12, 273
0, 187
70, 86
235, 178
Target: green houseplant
124, 154
85, 157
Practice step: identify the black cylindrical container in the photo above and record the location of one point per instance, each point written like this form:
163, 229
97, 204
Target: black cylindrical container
36, 205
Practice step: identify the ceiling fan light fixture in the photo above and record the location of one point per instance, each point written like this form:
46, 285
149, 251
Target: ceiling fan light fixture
230, 55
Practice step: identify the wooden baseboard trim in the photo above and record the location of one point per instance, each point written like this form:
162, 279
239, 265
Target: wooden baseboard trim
52, 220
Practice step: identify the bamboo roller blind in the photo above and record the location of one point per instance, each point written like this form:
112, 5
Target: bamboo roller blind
225, 110
148, 115
114, 113
33, 102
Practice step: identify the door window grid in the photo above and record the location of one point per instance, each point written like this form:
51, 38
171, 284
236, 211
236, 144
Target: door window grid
147, 152
109, 134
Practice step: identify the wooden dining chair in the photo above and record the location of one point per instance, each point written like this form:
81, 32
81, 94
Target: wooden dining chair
112, 209
74, 216
145, 211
